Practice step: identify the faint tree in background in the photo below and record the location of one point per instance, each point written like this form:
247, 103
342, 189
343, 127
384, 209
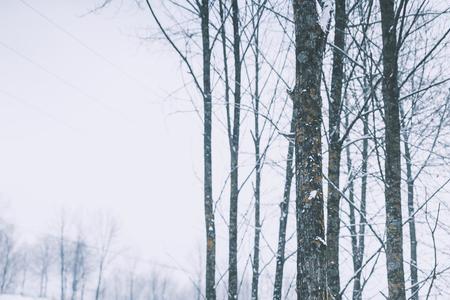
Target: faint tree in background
106, 237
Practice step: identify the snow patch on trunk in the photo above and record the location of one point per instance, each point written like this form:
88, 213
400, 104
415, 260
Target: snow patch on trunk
325, 12
312, 195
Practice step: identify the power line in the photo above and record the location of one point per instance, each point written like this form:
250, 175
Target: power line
37, 109
87, 47
63, 80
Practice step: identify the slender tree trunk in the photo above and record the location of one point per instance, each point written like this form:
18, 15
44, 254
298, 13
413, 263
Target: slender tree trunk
311, 246
83, 284
5, 271
74, 281
207, 149
62, 263
99, 281
351, 206
412, 224
258, 169
7, 262
335, 149
41, 285
234, 150
411, 218
359, 255
24, 273
284, 210
394, 234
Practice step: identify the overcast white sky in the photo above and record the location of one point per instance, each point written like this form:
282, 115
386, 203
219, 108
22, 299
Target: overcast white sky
79, 132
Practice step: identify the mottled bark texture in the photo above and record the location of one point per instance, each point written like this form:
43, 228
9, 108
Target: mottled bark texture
210, 291
334, 151
234, 151
284, 211
394, 239
311, 246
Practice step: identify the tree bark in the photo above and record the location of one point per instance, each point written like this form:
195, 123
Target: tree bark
394, 234
210, 281
234, 159
311, 246
335, 149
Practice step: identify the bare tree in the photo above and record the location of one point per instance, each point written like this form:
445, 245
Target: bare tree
106, 236
258, 162
79, 267
310, 36
234, 156
394, 231
24, 267
335, 149
284, 212
44, 257
63, 259
7, 257
202, 9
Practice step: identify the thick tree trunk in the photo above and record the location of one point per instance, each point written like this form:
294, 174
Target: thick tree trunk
210, 288
394, 234
234, 150
335, 149
311, 246
284, 210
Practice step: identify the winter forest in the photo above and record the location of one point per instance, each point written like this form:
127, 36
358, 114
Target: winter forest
225, 149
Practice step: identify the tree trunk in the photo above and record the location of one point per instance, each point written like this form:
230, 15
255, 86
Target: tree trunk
99, 282
75, 270
411, 218
352, 216
258, 169
359, 255
234, 151
311, 246
62, 268
394, 234
412, 225
335, 149
284, 207
208, 197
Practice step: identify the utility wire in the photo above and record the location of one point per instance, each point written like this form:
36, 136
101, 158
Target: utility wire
37, 109
63, 80
115, 66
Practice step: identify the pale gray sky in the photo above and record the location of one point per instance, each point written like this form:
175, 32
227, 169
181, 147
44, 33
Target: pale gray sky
79, 132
